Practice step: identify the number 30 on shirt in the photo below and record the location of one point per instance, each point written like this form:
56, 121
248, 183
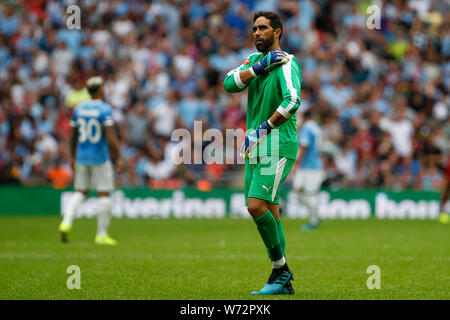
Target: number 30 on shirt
89, 130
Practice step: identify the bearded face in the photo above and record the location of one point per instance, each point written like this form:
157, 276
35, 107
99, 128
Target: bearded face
263, 34
262, 45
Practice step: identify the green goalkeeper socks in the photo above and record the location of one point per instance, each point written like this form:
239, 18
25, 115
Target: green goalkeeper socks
282, 238
268, 229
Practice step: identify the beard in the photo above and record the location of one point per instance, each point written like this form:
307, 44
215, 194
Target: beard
264, 45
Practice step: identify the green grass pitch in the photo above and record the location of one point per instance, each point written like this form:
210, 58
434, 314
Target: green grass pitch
222, 259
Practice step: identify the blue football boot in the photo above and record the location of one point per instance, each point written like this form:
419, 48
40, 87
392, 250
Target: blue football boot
278, 279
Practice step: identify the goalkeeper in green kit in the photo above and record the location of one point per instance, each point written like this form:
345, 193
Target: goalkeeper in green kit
273, 78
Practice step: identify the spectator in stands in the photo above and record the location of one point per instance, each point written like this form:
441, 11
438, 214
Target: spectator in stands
381, 96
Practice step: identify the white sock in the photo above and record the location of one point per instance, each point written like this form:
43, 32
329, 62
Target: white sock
279, 263
104, 215
72, 207
314, 214
310, 201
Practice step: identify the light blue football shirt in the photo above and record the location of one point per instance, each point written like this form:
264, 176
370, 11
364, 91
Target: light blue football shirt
89, 118
310, 136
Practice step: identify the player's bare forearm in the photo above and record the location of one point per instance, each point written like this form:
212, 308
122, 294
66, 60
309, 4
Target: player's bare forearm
277, 119
246, 76
113, 142
115, 150
236, 81
73, 142
300, 156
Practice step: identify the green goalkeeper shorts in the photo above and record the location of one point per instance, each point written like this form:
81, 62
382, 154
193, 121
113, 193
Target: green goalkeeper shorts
263, 178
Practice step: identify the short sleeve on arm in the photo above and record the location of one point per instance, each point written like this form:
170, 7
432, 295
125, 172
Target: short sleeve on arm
305, 138
107, 119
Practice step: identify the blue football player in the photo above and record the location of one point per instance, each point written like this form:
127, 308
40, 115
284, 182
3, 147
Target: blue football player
309, 175
92, 141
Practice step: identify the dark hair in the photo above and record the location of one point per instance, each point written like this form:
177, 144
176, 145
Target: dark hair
93, 90
275, 21
93, 85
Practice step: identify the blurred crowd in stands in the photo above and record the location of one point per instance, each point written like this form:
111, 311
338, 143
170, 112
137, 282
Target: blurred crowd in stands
381, 96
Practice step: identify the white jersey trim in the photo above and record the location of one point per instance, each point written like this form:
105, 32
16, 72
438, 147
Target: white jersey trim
287, 67
278, 175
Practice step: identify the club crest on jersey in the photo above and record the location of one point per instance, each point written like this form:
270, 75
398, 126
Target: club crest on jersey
246, 62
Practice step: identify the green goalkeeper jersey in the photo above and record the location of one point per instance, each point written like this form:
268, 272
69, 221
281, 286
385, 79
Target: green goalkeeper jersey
278, 90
